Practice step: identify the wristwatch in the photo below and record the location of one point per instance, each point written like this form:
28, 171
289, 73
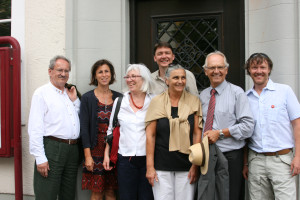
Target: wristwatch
221, 136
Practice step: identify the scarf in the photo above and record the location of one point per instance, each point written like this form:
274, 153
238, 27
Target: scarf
160, 107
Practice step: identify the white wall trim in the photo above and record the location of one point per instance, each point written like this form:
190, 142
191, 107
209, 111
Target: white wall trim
18, 32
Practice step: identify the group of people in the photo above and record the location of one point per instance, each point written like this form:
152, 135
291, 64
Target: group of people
252, 135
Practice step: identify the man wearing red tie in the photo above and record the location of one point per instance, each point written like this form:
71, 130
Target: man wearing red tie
227, 118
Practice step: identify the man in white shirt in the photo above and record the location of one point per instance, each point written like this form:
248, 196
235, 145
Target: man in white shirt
53, 129
276, 110
164, 56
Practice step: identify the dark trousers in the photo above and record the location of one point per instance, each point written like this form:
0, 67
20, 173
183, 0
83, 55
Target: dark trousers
61, 180
133, 184
235, 168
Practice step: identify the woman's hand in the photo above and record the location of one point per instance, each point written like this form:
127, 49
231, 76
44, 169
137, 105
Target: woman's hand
106, 163
193, 174
151, 175
89, 163
106, 159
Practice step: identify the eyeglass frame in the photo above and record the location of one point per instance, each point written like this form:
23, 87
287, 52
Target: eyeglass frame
133, 77
220, 68
60, 71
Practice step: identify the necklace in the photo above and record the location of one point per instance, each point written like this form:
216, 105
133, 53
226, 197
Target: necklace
104, 96
138, 107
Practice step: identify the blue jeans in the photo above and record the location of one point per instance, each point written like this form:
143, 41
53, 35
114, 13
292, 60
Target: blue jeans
132, 178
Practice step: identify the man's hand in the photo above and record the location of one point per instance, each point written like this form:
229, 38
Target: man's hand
89, 163
43, 169
212, 135
72, 93
193, 174
295, 166
151, 175
245, 172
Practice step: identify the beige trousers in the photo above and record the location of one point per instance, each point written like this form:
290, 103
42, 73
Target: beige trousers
270, 177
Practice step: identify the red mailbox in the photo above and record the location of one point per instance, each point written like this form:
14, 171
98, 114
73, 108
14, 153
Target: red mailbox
6, 111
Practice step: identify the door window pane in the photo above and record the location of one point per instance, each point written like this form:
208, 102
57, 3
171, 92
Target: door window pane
192, 38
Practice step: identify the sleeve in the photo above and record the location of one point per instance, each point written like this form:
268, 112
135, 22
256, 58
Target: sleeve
76, 103
293, 106
110, 127
244, 126
191, 83
199, 113
36, 128
85, 118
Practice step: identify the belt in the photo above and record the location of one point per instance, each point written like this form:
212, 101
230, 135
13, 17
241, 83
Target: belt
67, 141
281, 152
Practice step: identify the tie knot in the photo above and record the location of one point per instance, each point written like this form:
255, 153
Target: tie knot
213, 91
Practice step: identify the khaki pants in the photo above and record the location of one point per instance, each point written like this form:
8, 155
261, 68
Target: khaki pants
61, 180
270, 177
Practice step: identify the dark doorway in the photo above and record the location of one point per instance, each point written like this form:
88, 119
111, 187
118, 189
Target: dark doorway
194, 28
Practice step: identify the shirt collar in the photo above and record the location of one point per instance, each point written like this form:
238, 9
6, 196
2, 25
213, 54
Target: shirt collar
157, 77
220, 88
269, 86
56, 89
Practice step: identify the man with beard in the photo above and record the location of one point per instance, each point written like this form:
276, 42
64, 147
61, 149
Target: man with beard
164, 56
53, 129
272, 165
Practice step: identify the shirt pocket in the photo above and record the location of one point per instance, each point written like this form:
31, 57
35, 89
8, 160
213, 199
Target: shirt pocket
272, 113
225, 119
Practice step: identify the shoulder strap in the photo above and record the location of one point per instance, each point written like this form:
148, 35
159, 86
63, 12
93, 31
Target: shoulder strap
115, 120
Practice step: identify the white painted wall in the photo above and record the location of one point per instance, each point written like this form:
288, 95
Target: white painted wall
97, 29
272, 27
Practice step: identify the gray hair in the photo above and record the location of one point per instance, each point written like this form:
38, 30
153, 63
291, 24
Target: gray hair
216, 53
55, 58
172, 68
145, 75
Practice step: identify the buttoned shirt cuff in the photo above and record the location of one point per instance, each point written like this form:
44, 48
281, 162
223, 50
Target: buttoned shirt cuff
76, 102
41, 159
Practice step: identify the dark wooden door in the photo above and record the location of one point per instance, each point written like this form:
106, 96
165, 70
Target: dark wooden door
194, 28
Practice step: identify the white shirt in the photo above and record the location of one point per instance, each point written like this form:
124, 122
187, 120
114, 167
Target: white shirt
273, 111
52, 113
132, 127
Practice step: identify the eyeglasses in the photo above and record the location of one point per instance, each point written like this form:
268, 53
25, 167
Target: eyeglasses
220, 68
61, 71
133, 77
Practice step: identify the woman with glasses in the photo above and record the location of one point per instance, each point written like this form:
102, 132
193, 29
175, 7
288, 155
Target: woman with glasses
95, 111
131, 163
174, 123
